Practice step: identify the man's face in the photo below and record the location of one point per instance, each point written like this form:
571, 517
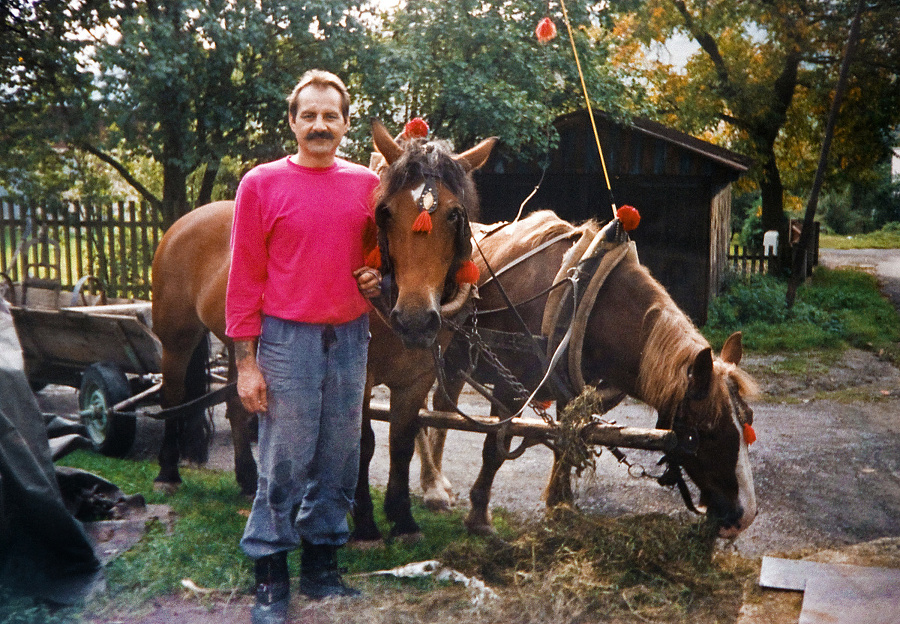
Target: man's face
319, 125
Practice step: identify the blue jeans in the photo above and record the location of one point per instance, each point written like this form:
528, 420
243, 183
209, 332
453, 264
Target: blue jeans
309, 438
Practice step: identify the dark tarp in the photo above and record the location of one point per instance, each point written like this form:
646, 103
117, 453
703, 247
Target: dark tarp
44, 551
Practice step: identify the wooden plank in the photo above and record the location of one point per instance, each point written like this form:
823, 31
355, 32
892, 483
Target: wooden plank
602, 435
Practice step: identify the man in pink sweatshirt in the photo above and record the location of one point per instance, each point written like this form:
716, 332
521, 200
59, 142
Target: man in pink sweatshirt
298, 317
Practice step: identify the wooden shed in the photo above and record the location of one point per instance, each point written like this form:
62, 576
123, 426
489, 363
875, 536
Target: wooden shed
681, 186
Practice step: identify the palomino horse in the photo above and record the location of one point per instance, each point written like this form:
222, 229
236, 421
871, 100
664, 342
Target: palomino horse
637, 340
190, 272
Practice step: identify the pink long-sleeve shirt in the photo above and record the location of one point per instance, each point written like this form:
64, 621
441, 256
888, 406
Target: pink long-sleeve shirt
298, 235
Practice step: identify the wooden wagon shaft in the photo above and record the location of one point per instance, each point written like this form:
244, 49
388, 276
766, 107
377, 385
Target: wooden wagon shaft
599, 434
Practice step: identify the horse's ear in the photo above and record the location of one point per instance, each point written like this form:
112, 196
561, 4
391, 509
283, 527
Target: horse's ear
474, 158
384, 143
733, 349
700, 375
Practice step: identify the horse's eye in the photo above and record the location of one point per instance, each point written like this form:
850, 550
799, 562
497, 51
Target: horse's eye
454, 215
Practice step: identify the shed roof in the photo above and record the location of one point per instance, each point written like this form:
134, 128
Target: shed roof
738, 163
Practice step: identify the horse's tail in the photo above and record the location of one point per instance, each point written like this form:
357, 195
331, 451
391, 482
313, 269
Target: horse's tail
196, 429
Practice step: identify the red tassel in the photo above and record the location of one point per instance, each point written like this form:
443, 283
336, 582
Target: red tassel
373, 260
749, 434
629, 216
468, 273
423, 223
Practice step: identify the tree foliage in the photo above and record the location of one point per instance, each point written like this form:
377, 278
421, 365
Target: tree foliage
764, 73
475, 69
183, 82
180, 96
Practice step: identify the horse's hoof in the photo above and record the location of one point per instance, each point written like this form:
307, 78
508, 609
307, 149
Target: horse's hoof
438, 503
480, 527
165, 487
365, 545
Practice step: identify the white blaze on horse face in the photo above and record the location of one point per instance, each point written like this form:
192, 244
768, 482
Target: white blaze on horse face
746, 491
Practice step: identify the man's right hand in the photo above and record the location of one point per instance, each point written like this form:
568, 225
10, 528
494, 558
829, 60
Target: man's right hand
251, 386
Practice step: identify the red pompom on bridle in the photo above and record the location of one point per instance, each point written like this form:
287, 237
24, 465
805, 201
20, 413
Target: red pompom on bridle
749, 434
467, 273
422, 223
415, 128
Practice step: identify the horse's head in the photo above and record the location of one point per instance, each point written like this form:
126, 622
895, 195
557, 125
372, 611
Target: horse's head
713, 425
424, 204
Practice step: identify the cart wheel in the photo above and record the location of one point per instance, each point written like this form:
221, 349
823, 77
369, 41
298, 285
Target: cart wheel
102, 386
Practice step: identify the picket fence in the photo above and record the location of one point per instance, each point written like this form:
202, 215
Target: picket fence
114, 242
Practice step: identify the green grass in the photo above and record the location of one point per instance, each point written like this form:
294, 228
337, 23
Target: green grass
832, 311
211, 514
886, 238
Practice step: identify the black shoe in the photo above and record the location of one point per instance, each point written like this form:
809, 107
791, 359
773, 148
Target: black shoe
320, 576
273, 589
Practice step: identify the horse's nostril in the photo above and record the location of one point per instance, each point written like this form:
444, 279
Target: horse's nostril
433, 324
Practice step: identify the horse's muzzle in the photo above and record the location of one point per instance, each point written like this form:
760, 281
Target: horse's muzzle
417, 330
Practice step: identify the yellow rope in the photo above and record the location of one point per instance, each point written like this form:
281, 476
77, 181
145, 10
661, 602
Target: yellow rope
587, 99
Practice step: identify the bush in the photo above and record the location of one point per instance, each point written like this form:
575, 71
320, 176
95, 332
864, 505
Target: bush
835, 309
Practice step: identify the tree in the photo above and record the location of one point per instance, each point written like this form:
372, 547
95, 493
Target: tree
183, 82
764, 72
474, 68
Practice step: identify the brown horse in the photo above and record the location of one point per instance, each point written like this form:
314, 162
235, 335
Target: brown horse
397, 357
637, 340
190, 273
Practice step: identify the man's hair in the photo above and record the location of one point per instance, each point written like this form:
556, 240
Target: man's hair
319, 78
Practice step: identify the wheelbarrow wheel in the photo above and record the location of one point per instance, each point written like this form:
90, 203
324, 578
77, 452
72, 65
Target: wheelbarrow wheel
103, 385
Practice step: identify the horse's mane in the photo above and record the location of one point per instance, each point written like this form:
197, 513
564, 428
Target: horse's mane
431, 158
670, 346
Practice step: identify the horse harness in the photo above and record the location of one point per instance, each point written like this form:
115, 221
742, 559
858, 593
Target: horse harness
590, 259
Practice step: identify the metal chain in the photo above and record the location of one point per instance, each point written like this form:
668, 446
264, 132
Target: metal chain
478, 346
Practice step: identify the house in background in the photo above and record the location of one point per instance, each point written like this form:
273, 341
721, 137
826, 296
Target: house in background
681, 186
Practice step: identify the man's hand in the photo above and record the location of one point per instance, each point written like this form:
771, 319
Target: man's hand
251, 386
368, 280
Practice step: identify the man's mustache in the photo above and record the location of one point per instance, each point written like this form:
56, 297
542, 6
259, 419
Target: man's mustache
312, 136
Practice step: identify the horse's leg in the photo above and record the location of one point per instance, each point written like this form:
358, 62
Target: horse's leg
438, 491
479, 520
195, 429
241, 437
364, 527
174, 366
559, 485
405, 404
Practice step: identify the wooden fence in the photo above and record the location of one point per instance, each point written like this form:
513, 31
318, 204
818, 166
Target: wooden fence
747, 261
114, 242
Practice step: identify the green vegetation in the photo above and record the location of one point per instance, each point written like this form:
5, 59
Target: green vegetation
211, 513
887, 237
833, 310
646, 566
